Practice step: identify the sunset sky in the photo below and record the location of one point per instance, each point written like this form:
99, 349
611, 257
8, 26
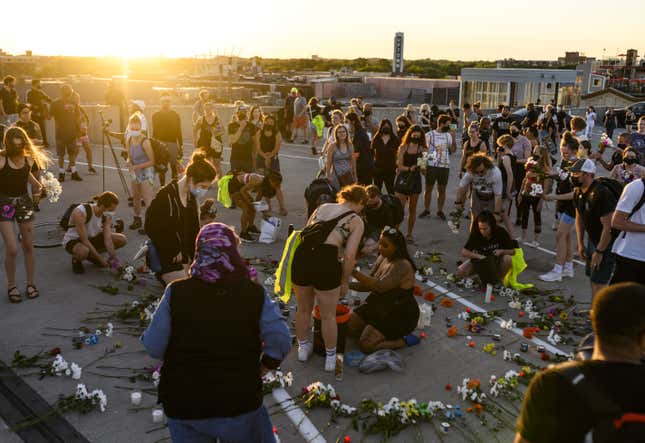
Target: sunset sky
463, 29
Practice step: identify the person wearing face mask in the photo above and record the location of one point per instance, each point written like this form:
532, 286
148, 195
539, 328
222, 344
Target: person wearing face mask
522, 151
629, 170
172, 218
384, 147
166, 127
425, 118
90, 232
140, 162
269, 144
402, 126
16, 160
624, 140
507, 164
407, 183
538, 171
207, 132
362, 151
241, 134
440, 145
595, 203
502, 124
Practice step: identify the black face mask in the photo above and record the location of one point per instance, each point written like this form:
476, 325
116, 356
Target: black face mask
630, 161
622, 145
13, 150
515, 133
416, 140
386, 130
575, 181
445, 128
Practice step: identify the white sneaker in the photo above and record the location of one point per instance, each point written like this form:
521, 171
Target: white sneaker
567, 272
533, 244
554, 226
551, 276
305, 351
330, 363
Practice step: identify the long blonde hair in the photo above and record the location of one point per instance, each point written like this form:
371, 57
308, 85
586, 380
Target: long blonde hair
38, 155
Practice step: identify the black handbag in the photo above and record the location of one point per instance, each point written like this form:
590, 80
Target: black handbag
405, 182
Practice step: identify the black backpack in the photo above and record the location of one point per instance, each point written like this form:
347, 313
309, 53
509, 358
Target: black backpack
316, 234
611, 423
64, 221
318, 192
395, 206
162, 156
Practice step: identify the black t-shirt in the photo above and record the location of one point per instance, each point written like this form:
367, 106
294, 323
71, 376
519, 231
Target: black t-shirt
502, 125
67, 116
31, 128
377, 219
597, 202
38, 100
9, 100
531, 118
484, 246
362, 146
554, 412
242, 149
564, 187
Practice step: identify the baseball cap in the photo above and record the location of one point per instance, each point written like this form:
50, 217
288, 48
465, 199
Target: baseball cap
294, 90
584, 165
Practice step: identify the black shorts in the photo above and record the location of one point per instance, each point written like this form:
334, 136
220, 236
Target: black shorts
628, 269
318, 267
97, 241
66, 146
437, 175
19, 209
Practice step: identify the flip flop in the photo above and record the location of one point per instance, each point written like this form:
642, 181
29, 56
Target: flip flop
32, 292
14, 298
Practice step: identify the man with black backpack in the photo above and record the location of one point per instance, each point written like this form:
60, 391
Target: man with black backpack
601, 398
595, 200
629, 247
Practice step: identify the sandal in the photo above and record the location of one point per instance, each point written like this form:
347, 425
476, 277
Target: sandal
16, 297
32, 292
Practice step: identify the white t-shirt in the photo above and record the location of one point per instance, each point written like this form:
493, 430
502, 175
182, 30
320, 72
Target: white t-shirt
591, 118
94, 227
439, 144
631, 244
485, 187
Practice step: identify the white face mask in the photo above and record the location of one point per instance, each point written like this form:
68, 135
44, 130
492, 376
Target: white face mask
135, 133
109, 213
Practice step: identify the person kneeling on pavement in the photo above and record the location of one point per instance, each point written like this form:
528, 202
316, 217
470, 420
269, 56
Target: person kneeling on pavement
390, 313
601, 399
90, 232
380, 211
489, 250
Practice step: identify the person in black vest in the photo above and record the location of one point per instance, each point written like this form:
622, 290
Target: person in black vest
172, 219
563, 403
217, 332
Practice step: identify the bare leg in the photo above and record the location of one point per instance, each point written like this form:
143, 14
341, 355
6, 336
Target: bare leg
412, 214
305, 305
27, 232
88, 153
327, 302
147, 193
136, 198
441, 199
80, 252
10, 251
427, 197
373, 340
355, 325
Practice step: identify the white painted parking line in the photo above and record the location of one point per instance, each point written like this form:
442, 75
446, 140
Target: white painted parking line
478, 308
305, 427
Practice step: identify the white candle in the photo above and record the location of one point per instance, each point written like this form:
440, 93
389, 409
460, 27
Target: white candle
135, 398
157, 416
489, 292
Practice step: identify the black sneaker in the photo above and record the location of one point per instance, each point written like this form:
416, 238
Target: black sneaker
76, 177
136, 223
424, 214
77, 267
441, 215
253, 230
61, 177
247, 238
36, 208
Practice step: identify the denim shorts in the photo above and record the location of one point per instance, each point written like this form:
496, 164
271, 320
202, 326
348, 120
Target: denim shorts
144, 175
602, 274
566, 218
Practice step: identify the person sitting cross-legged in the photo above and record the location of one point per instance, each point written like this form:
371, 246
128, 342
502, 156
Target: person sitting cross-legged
391, 313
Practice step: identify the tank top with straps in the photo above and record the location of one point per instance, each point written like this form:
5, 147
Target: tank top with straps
13, 182
137, 153
410, 160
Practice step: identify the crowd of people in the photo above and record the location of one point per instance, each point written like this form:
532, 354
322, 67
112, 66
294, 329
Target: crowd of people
374, 173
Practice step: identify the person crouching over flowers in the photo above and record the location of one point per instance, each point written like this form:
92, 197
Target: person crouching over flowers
489, 250
217, 333
90, 232
391, 312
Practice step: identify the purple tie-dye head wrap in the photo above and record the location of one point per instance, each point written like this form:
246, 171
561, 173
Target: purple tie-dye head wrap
216, 256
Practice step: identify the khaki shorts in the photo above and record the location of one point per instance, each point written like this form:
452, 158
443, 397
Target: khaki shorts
300, 122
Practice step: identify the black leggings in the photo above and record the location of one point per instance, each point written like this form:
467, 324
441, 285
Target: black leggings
526, 203
385, 178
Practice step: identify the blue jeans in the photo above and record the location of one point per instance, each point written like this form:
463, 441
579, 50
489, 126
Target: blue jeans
252, 427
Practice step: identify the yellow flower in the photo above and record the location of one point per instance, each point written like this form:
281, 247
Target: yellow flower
564, 315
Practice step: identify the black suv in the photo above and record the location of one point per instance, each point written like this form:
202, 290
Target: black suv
637, 108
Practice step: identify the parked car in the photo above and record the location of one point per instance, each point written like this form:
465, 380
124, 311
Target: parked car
637, 108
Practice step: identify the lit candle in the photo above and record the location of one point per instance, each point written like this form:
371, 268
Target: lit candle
157, 416
135, 398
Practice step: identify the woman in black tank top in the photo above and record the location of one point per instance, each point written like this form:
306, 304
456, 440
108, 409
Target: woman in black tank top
269, 146
507, 164
407, 184
16, 161
472, 146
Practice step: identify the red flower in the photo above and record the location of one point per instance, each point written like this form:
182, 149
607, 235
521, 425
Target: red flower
537, 329
417, 290
528, 332
544, 356
347, 439
429, 296
471, 344
521, 374
54, 351
520, 314
468, 310
448, 387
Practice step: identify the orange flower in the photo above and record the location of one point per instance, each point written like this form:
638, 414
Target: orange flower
452, 331
469, 409
478, 408
528, 332
474, 384
429, 296
417, 290
446, 302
